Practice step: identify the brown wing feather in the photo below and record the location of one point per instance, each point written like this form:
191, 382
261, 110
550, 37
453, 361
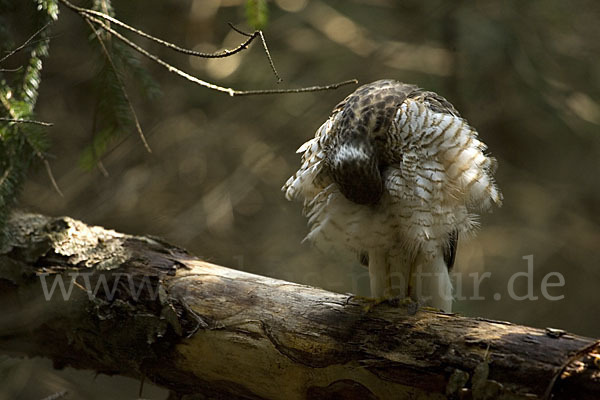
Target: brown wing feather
450, 250
435, 102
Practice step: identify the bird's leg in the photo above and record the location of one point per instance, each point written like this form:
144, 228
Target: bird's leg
389, 274
379, 278
379, 274
401, 271
432, 286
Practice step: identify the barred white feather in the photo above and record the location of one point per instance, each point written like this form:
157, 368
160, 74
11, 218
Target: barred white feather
433, 170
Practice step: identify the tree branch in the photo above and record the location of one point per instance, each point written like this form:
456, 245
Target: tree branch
101, 19
25, 121
220, 54
140, 307
27, 42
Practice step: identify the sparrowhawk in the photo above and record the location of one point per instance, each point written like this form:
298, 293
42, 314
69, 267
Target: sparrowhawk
395, 175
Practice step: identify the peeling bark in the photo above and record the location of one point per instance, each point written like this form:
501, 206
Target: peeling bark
206, 331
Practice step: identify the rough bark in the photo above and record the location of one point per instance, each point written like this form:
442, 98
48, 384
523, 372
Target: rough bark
206, 331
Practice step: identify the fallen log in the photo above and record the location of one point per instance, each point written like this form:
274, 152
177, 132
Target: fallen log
92, 298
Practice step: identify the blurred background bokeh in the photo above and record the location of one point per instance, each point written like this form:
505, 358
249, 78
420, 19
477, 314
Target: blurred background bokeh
525, 74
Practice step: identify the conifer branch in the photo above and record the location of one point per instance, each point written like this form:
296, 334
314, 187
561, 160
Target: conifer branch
6, 103
122, 87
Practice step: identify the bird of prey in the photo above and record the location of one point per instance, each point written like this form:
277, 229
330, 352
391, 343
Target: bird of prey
395, 175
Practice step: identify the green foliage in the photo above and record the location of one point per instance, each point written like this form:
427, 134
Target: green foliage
92, 153
48, 12
257, 13
113, 116
137, 73
49, 8
21, 143
15, 159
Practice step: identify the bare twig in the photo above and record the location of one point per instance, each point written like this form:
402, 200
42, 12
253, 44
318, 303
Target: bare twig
141, 389
230, 91
241, 32
100, 18
264, 43
298, 90
25, 121
122, 87
50, 174
22, 46
220, 54
102, 169
157, 60
11, 69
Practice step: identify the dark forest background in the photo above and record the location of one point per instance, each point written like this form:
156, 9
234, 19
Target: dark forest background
525, 74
